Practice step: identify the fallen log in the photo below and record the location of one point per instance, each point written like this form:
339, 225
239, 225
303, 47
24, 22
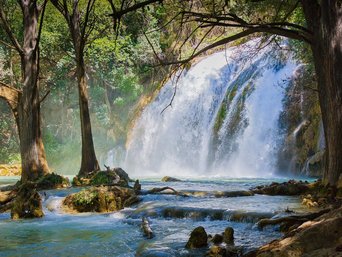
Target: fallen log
289, 221
145, 225
157, 190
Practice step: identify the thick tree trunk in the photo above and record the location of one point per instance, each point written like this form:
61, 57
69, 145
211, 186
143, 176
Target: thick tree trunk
89, 162
25, 104
325, 21
33, 159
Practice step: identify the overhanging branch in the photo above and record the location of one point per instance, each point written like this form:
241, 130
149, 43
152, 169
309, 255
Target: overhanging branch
245, 33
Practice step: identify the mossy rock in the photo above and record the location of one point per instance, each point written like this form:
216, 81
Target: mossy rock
103, 178
101, 199
115, 176
28, 203
52, 181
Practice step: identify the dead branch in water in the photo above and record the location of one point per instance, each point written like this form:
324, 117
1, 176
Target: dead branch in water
145, 225
157, 190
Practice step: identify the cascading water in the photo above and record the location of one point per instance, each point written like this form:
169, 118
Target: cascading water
223, 119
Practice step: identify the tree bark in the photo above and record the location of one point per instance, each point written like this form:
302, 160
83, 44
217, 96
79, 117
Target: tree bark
324, 19
89, 162
25, 104
33, 159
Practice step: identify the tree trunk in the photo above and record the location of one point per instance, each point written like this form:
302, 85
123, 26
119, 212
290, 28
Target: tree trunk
324, 20
77, 28
89, 162
33, 159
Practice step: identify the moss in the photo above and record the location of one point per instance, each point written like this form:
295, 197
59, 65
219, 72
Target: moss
220, 118
85, 200
102, 178
52, 181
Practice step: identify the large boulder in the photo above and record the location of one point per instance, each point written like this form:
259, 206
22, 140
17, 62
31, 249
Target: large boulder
101, 199
198, 238
28, 203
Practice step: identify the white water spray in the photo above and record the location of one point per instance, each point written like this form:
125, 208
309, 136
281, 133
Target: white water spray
223, 120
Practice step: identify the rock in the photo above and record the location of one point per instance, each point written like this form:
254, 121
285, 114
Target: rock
217, 251
100, 199
122, 174
217, 239
52, 181
137, 186
28, 203
228, 235
170, 179
198, 238
220, 251
314, 165
291, 187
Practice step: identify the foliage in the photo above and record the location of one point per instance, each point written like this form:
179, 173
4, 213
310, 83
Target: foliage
101, 178
85, 197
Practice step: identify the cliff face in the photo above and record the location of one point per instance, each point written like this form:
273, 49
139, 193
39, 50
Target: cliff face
302, 150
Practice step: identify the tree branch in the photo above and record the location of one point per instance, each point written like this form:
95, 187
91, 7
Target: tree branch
118, 14
245, 33
43, 98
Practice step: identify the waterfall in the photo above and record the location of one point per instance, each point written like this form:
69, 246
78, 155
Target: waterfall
223, 120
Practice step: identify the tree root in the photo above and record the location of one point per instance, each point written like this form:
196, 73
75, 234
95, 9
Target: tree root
289, 221
7, 196
7, 206
7, 200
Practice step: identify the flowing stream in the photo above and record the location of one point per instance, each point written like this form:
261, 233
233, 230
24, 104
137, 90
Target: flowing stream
223, 120
172, 218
